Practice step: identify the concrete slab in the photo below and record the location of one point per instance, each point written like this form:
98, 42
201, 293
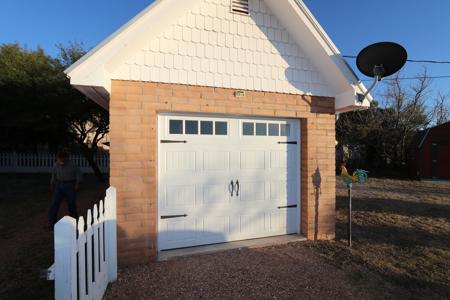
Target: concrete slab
253, 243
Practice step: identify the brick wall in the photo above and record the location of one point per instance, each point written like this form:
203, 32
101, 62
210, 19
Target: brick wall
133, 116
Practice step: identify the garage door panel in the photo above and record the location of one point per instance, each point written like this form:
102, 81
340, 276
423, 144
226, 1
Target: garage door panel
283, 192
252, 160
215, 225
278, 159
252, 223
180, 161
216, 161
214, 194
179, 196
252, 191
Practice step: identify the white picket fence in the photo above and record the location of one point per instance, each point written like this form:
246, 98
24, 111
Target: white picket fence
86, 259
12, 162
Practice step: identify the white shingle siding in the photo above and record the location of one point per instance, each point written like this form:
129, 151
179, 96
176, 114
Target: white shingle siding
211, 46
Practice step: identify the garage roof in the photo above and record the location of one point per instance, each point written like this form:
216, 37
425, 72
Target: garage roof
92, 73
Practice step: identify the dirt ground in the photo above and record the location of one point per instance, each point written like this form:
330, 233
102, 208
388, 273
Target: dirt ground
25, 239
290, 271
401, 232
401, 250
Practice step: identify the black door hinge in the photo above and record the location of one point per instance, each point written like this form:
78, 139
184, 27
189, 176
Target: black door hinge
172, 142
287, 206
290, 142
173, 216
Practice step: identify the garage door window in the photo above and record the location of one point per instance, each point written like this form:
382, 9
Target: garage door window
285, 129
191, 127
261, 129
221, 128
176, 126
265, 129
206, 127
274, 129
247, 128
196, 127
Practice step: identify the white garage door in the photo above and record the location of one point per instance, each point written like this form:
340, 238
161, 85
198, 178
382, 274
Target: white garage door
225, 179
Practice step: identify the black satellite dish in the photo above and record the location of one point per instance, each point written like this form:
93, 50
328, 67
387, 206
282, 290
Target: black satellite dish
380, 60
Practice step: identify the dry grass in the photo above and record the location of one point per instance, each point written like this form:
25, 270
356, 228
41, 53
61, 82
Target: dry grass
401, 233
401, 245
25, 239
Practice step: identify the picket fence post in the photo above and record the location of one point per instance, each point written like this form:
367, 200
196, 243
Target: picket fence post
111, 235
65, 259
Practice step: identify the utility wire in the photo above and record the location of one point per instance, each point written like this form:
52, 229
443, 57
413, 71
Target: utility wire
410, 78
413, 60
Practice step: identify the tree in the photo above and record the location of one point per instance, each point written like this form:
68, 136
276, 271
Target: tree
40, 107
410, 113
441, 110
381, 134
29, 99
88, 123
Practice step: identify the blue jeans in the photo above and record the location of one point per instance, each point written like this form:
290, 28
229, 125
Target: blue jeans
63, 190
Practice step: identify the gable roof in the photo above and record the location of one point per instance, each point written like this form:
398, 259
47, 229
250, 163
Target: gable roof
92, 73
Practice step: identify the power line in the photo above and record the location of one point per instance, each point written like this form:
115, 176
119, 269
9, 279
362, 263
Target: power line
427, 61
411, 78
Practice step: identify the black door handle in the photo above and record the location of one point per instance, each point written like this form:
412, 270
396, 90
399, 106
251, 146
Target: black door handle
237, 187
232, 187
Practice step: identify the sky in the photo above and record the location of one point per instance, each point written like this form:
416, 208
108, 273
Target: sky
422, 27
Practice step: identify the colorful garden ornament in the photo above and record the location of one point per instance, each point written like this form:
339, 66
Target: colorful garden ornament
359, 176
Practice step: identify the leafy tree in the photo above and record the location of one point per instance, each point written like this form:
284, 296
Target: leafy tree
29, 97
40, 107
87, 122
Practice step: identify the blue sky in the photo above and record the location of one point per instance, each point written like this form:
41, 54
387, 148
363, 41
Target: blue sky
422, 27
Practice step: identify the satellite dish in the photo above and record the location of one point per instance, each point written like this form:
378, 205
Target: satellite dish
380, 60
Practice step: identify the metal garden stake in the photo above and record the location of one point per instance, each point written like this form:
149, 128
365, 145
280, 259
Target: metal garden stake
359, 176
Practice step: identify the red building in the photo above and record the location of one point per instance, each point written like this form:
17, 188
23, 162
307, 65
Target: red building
430, 153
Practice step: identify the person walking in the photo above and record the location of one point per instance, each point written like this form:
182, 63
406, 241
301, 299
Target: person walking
65, 182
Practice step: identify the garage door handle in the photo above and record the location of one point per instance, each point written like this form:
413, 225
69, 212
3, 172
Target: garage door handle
232, 187
287, 206
289, 142
172, 142
173, 216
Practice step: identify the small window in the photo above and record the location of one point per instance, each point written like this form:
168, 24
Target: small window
285, 129
206, 127
176, 127
248, 128
261, 129
191, 127
274, 130
221, 128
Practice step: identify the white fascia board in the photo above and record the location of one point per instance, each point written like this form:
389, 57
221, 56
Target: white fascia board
302, 25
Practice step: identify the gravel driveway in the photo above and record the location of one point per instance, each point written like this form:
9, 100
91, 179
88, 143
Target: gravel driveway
278, 272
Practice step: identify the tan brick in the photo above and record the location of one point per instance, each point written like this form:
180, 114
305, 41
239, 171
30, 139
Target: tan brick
134, 106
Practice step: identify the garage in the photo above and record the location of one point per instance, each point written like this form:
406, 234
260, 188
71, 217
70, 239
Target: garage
225, 178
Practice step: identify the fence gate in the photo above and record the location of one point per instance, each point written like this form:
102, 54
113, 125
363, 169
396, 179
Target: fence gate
86, 253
